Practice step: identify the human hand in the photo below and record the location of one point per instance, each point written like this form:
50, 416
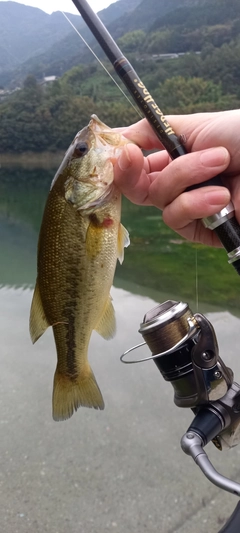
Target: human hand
213, 140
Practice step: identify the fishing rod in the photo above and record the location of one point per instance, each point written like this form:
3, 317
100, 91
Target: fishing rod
224, 222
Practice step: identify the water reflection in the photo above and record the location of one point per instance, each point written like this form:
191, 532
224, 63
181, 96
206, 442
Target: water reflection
157, 263
22, 198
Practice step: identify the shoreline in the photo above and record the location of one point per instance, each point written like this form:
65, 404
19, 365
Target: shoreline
32, 159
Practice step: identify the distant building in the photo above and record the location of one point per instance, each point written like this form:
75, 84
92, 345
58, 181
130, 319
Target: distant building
4, 93
165, 56
48, 79
155, 57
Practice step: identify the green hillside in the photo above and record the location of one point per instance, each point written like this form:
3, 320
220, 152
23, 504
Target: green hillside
203, 75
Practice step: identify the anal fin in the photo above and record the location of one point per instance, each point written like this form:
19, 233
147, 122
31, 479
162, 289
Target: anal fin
106, 326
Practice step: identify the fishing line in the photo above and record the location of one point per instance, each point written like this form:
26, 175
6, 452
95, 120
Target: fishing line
139, 114
196, 278
102, 65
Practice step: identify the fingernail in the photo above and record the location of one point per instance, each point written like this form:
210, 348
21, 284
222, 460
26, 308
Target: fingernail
124, 161
218, 197
214, 157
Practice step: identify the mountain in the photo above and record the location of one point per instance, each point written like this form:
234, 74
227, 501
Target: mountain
41, 44
146, 13
28, 32
47, 45
198, 14
117, 9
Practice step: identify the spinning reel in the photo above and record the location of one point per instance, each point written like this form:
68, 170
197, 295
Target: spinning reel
184, 348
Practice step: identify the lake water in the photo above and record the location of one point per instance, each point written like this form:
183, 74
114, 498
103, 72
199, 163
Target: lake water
158, 263
121, 470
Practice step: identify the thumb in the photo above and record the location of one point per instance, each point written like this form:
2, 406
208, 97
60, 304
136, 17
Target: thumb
130, 176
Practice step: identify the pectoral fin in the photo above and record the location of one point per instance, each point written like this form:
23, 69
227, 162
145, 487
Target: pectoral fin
106, 327
38, 321
123, 242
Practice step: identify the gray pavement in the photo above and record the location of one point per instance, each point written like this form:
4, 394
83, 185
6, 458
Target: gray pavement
120, 470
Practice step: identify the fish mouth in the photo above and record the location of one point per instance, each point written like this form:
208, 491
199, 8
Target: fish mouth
104, 134
97, 126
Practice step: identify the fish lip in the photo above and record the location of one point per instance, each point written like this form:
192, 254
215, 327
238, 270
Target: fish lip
105, 134
96, 124
98, 129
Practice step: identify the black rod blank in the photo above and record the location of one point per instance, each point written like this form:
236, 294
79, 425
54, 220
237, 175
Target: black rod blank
133, 83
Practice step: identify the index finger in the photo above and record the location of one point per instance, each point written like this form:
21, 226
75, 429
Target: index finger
142, 133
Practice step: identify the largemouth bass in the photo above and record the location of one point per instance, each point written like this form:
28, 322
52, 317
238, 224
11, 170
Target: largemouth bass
80, 239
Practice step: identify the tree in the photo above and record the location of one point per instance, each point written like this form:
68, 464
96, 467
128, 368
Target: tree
132, 41
186, 95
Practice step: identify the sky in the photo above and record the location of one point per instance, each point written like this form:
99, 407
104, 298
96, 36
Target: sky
64, 5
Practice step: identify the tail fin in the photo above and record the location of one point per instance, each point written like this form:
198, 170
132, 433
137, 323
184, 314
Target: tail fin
69, 394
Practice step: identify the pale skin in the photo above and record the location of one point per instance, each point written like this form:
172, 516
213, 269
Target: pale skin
214, 142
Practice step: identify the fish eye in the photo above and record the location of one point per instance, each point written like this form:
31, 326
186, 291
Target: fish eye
81, 149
